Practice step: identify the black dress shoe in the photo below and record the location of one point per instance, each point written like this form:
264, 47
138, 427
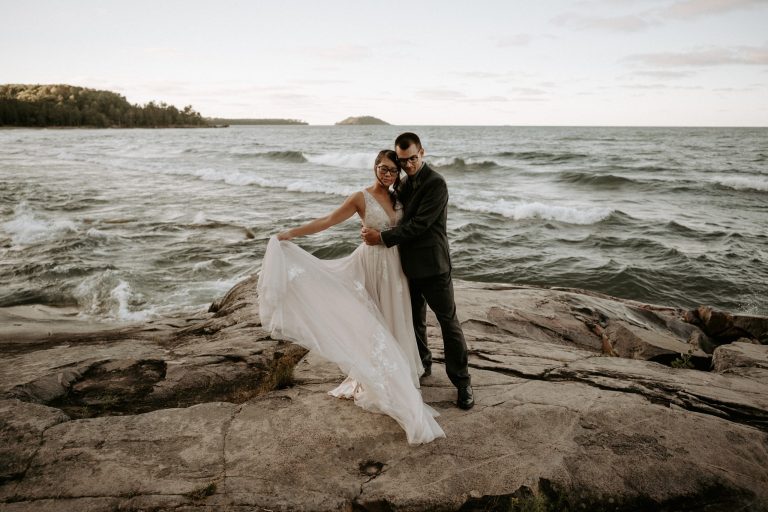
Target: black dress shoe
466, 398
427, 371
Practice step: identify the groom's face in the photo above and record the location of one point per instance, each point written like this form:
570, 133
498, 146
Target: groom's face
410, 158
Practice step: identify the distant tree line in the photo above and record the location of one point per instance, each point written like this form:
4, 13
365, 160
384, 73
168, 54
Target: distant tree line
220, 121
66, 105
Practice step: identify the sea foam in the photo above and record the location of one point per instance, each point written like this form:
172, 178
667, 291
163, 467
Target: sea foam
289, 183
106, 295
536, 210
348, 160
28, 227
744, 183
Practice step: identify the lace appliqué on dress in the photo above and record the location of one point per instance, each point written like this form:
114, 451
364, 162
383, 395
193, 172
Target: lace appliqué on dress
294, 272
376, 216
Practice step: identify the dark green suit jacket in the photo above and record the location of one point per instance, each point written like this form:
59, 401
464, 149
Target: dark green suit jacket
421, 234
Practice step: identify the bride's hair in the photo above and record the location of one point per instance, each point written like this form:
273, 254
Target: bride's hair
391, 155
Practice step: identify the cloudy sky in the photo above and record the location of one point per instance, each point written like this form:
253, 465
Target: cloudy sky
552, 62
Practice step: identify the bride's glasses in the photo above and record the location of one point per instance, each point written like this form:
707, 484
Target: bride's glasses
387, 170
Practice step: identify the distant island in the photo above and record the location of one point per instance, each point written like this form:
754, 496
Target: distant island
362, 120
223, 121
62, 105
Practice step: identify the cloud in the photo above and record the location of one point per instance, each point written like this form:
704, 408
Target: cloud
627, 23
690, 9
457, 96
289, 96
321, 81
490, 99
513, 40
704, 57
528, 91
440, 94
665, 73
503, 76
660, 86
169, 53
648, 18
480, 74
344, 52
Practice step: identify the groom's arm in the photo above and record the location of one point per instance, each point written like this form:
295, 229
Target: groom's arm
429, 210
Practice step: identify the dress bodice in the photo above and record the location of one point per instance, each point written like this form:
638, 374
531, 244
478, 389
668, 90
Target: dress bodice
377, 217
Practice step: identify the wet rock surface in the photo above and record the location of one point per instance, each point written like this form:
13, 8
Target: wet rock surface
584, 401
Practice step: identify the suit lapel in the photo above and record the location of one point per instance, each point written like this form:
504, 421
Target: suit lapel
406, 192
416, 191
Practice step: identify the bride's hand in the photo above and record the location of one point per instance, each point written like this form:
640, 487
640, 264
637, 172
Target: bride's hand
285, 235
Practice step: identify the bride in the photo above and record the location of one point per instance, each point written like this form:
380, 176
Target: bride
354, 311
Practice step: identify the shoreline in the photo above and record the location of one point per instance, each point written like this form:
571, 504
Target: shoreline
107, 127
36, 321
591, 382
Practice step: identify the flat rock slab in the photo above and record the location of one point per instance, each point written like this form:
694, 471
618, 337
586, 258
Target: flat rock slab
560, 422
300, 449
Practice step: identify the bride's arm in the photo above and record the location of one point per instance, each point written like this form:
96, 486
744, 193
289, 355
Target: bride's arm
353, 204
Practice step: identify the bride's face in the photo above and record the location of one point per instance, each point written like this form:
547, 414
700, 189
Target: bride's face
386, 171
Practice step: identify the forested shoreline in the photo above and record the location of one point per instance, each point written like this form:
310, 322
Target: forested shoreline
69, 106
255, 122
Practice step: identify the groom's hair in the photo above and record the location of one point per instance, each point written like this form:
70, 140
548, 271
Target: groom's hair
405, 140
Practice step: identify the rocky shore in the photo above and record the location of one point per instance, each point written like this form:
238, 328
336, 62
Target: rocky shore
584, 402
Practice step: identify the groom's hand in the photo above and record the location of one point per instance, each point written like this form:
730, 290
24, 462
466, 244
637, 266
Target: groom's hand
370, 236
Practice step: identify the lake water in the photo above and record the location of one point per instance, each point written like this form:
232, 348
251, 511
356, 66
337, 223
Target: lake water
128, 224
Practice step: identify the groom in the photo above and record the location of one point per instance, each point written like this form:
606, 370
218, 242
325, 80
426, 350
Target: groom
426, 261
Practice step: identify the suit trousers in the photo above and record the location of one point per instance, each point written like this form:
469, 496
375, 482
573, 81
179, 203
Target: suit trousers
437, 292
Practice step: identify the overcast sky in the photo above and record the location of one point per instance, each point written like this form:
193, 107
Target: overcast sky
550, 62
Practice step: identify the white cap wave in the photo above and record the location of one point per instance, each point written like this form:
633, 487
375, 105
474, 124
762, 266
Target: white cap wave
28, 226
537, 210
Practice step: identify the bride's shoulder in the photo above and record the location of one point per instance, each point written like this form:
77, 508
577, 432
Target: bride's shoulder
358, 199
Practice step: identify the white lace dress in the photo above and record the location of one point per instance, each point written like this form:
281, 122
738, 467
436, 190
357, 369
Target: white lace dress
354, 311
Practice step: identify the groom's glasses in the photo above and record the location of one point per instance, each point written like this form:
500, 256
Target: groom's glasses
410, 160
387, 170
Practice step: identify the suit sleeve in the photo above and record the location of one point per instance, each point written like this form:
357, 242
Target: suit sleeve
431, 206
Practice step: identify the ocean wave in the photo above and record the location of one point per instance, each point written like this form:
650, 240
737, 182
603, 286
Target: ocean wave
357, 160
97, 233
347, 160
237, 178
281, 156
201, 266
596, 180
47, 296
198, 151
647, 248
122, 295
743, 183
650, 168
291, 184
544, 156
536, 210
108, 295
287, 156
461, 164
29, 227
681, 229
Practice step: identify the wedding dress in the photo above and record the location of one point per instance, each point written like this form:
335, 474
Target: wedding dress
356, 312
